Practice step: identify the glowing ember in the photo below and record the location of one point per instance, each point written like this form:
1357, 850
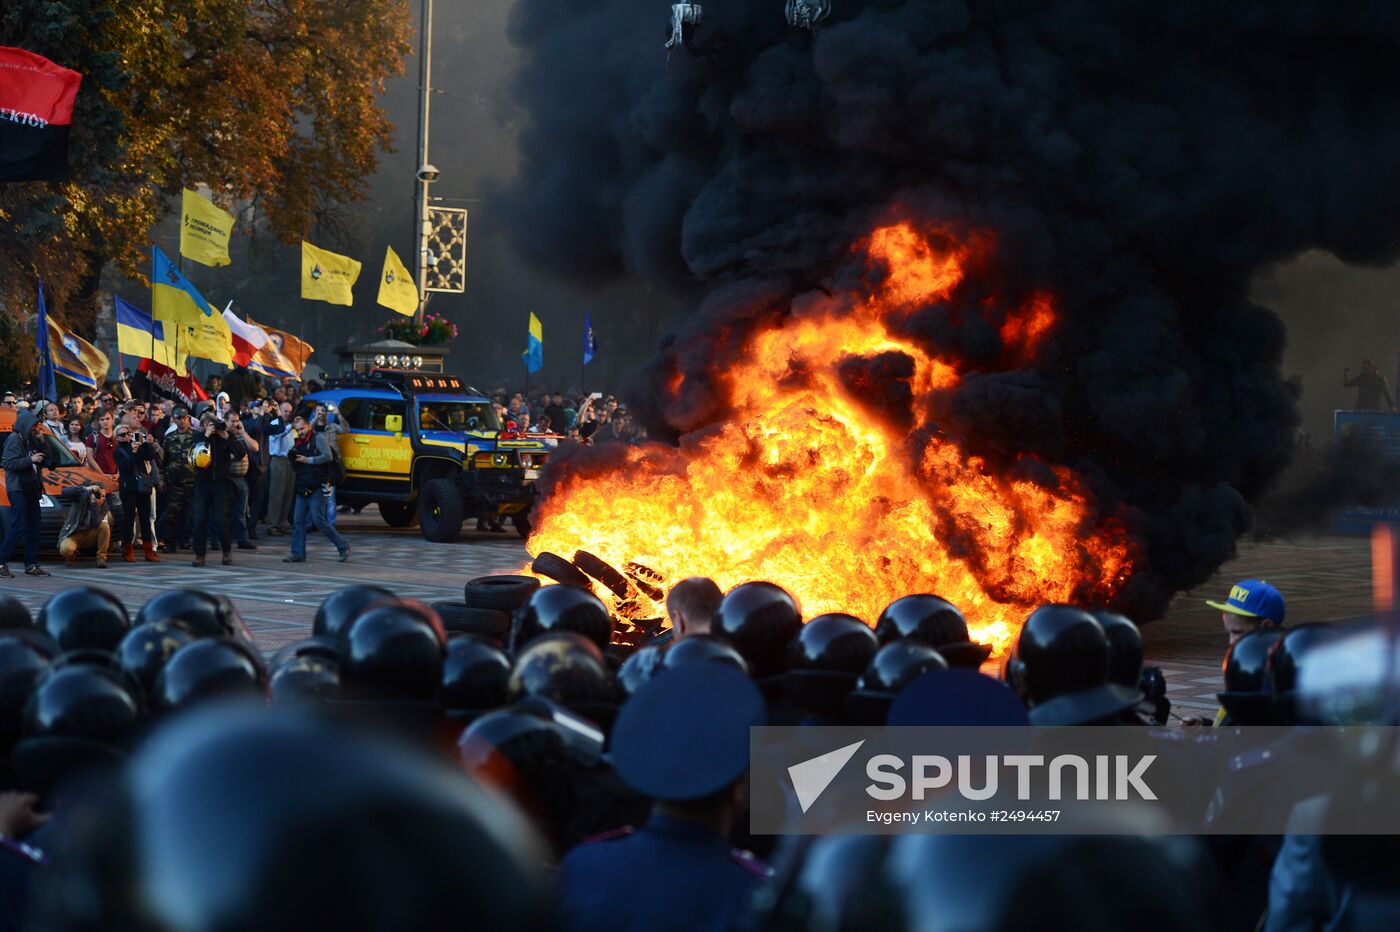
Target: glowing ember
804, 486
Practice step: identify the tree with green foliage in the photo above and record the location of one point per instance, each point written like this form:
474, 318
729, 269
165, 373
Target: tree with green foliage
270, 103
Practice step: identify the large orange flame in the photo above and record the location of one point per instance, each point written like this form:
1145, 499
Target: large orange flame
806, 488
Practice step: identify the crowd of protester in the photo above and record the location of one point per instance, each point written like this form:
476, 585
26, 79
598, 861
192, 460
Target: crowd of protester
189, 476
588, 418
505, 763
251, 484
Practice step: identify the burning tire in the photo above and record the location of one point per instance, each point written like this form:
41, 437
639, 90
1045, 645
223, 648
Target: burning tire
398, 514
648, 580
599, 569
555, 567
459, 616
503, 593
440, 511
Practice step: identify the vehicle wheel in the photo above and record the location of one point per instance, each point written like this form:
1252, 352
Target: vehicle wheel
599, 569
505, 593
522, 524
440, 511
459, 616
560, 570
399, 514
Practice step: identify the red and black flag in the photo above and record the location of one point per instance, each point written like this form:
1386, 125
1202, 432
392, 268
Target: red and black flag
36, 107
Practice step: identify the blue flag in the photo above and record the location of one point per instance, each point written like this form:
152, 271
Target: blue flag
590, 345
48, 385
534, 348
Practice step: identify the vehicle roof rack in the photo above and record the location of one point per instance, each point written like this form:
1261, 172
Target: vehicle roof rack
405, 382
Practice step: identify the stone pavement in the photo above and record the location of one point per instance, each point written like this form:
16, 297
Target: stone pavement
1323, 578
278, 600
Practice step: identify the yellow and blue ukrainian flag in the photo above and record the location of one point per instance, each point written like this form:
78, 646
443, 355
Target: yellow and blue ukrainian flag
534, 349
191, 323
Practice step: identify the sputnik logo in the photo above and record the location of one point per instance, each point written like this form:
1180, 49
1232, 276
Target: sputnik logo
811, 777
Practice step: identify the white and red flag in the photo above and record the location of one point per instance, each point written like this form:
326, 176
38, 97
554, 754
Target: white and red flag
247, 338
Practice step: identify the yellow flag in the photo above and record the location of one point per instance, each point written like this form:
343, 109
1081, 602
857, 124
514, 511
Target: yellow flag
326, 276
396, 289
192, 326
204, 230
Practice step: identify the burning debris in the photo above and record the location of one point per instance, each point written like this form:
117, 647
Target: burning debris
848, 505
971, 284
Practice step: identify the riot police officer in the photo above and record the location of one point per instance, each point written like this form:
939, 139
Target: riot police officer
683, 740
759, 619
177, 475
1060, 666
242, 820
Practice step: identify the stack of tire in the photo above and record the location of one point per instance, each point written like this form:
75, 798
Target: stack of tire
487, 605
637, 594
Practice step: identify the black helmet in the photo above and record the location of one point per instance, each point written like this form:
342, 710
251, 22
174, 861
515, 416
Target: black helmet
306, 678
1061, 649
562, 608
1124, 648
702, 648
1059, 668
13, 613
205, 614
893, 667
22, 664
1248, 698
526, 737
147, 647
340, 609
475, 675
1285, 657
935, 621
319, 646
567, 669
207, 668
759, 619
393, 653
85, 617
78, 717
639, 668
244, 820
824, 661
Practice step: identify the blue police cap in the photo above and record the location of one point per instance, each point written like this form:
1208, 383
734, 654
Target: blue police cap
956, 696
684, 735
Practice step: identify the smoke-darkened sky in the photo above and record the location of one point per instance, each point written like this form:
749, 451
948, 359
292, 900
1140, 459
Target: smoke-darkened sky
1144, 164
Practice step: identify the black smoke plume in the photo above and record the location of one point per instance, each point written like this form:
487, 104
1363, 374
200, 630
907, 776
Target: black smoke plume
1138, 161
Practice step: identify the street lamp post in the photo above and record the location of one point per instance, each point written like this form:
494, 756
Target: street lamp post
427, 173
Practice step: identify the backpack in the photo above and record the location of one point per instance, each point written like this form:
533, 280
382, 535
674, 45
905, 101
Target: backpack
335, 469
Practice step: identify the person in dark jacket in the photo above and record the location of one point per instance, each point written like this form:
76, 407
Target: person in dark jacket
23, 460
311, 456
212, 487
139, 474
88, 524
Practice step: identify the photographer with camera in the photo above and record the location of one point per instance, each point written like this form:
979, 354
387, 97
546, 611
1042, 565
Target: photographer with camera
212, 454
138, 477
325, 421
23, 461
88, 523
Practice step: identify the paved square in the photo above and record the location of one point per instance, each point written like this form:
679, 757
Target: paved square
1323, 579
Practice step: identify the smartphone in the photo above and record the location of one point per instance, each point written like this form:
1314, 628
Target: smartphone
596, 395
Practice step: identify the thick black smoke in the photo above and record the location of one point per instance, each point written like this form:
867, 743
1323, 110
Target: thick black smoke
1138, 161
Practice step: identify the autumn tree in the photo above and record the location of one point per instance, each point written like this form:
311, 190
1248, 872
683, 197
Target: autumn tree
271, 103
